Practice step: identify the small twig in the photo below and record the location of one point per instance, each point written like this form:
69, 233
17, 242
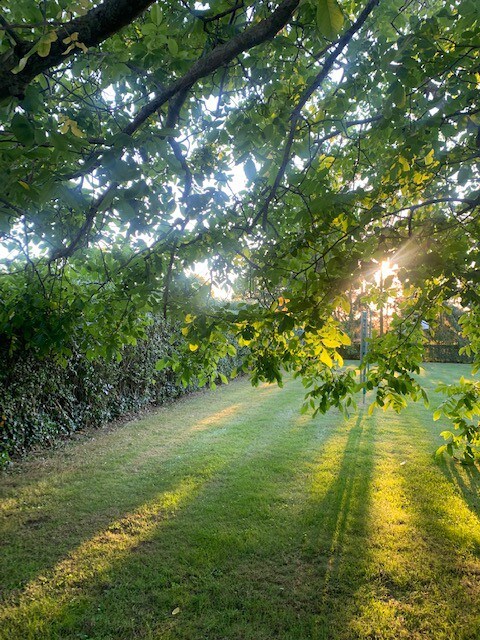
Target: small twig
5, 26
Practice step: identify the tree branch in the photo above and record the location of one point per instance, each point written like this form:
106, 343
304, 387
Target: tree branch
309, 91
220, 56
204, 17
471, 204
82, 233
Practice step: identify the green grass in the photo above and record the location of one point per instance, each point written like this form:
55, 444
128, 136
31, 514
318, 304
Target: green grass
230, 516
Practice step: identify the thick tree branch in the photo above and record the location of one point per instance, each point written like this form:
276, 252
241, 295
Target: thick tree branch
93, 28
220, 56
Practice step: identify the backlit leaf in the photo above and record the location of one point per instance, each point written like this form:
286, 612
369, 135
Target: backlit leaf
329, 18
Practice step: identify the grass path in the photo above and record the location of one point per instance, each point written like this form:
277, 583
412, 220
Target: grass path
229, 516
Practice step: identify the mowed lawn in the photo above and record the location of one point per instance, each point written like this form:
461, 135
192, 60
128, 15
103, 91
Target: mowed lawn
229, 516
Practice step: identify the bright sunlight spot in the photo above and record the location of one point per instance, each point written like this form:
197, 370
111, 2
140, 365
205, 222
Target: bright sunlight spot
385, 270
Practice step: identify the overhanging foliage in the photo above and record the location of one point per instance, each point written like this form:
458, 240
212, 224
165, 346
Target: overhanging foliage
292, 143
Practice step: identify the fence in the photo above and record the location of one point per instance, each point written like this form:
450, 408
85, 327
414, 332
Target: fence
445, 353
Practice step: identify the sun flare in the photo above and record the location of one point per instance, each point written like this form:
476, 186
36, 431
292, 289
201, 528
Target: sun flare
385, 270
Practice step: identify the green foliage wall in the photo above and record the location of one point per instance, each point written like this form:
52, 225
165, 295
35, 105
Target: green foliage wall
42, 401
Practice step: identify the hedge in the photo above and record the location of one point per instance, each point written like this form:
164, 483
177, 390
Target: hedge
432, 353
42, 401
446, 353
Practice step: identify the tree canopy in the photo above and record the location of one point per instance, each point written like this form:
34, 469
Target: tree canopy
296, 145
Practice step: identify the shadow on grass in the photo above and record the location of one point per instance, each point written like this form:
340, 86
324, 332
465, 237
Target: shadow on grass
290, 567
444, 506
42, 524
207, 560
265, 533
69, 598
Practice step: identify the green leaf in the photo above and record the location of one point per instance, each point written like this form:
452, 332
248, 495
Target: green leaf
305, 408
156, 14
45, 43
43, 48
329, 342
286, 324
250, 169
398, 95
23, 130
428, 159
23, 61
326, 359
329, 18
441, 450
172, 46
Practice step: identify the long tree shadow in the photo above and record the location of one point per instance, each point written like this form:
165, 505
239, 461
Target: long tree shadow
295, 578
335, 554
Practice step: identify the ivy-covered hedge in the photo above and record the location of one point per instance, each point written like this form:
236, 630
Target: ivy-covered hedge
42, 401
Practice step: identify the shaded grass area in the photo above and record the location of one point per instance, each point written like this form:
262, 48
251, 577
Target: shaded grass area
230, 516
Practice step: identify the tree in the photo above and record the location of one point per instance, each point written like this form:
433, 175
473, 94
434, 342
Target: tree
294, 143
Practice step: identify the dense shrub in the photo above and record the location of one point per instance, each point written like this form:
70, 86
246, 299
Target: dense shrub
41, 400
